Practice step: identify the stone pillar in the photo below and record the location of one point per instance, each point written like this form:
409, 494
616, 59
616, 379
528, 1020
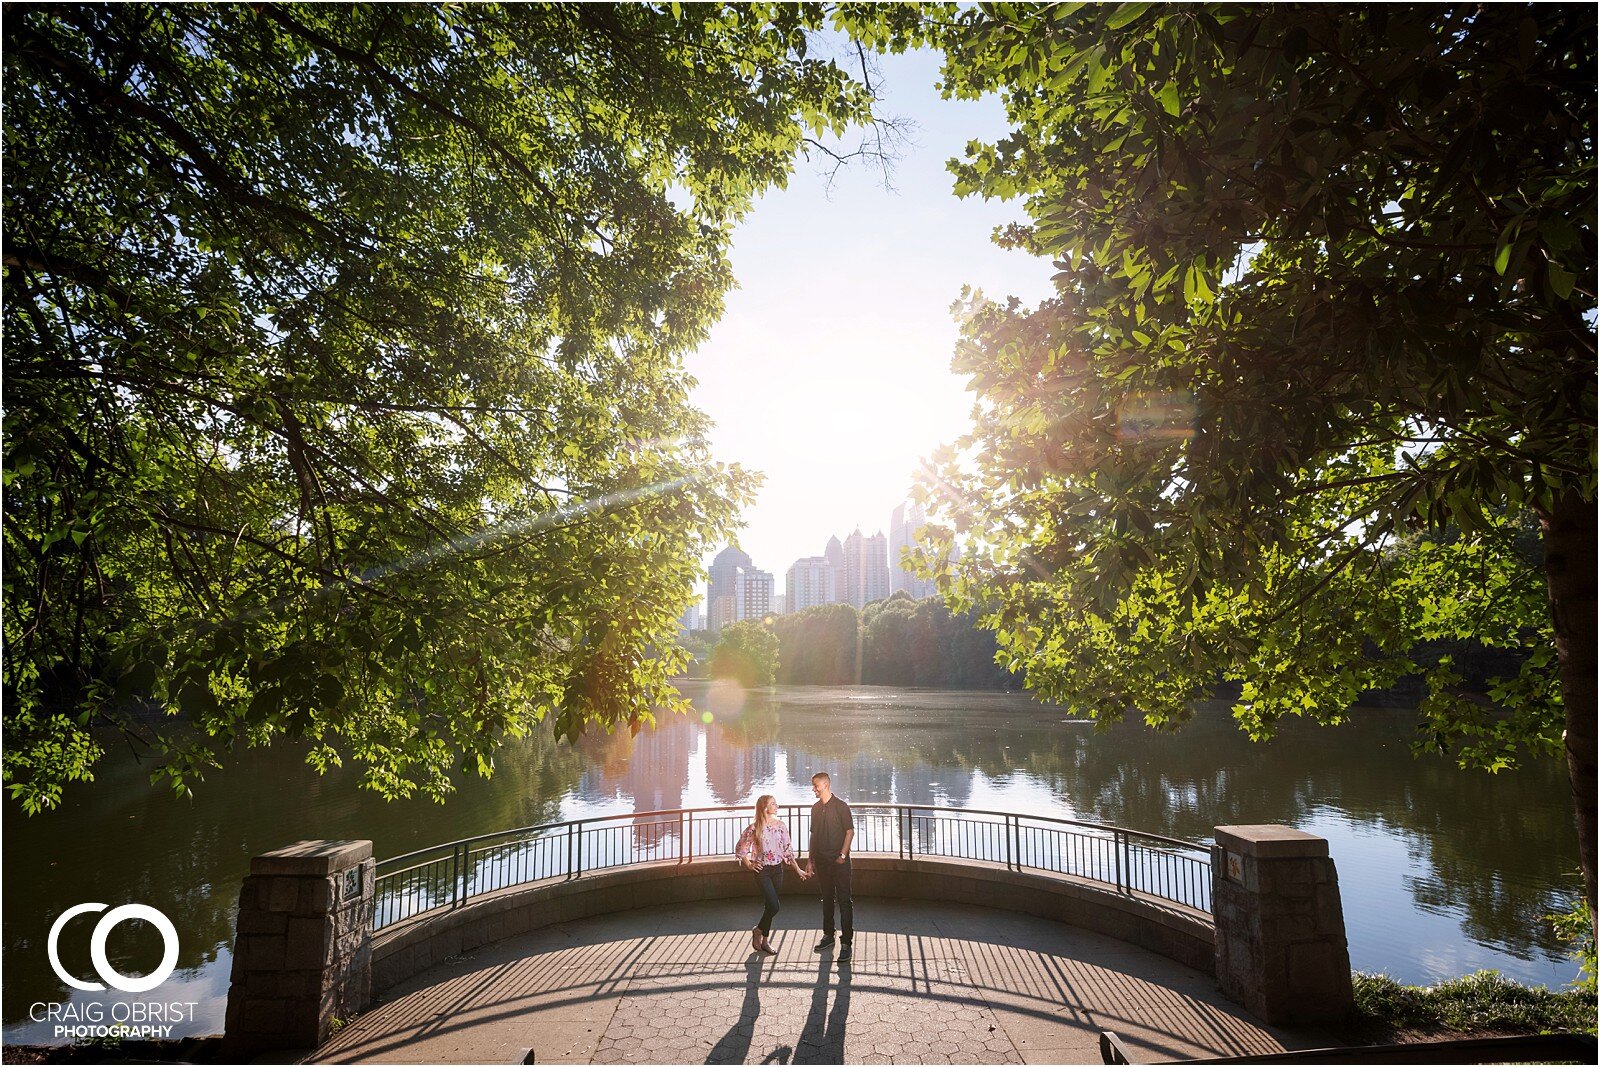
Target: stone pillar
302, 950
1280, 944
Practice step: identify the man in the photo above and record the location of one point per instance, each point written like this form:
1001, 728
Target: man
828, 858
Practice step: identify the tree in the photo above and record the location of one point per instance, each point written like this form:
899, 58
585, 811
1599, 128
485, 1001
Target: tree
343, 384
1325, 288
888, 641
819, 646
747, 652
894, 641
696, 645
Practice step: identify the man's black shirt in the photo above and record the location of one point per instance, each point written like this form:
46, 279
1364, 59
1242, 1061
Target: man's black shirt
829, 821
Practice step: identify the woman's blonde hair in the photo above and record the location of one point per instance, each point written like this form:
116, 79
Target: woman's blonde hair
761, 806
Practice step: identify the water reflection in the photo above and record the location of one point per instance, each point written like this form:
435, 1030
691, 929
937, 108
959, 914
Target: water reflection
1443, 871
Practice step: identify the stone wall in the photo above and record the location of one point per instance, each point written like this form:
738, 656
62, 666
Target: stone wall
302, 954
1280, 938
305, 955
1179, 933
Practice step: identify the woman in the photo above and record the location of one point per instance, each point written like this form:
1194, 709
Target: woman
764, 848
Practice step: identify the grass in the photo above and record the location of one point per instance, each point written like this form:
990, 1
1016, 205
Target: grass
1482, 1004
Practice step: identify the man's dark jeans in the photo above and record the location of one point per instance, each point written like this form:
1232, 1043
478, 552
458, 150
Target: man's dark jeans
833, 879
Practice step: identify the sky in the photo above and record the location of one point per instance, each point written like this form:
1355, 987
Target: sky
830, 369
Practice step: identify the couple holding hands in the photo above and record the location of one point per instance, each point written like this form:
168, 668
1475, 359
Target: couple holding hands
765, 849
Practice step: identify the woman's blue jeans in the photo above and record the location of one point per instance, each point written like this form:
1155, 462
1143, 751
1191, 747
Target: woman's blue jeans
769, 880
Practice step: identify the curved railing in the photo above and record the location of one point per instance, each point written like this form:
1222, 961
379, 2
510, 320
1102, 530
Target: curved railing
446, 876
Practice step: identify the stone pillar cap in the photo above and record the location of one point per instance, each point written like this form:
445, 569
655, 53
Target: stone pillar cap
1270, 841
312, 858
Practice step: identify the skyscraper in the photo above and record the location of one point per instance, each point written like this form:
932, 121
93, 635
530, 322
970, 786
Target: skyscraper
902, 535
736, 589
811, 582
719, 587
866, 568
834, 554
752, 591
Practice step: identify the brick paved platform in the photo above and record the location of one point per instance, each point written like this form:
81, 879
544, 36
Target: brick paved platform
930, 983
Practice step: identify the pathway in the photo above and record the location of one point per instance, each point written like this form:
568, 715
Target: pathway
930, 983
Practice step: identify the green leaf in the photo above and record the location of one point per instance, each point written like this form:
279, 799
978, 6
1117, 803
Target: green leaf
1561, 282
1502, 258
1126, 14
1168, 96
1502, 248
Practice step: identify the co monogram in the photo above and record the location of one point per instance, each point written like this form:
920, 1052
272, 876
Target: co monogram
97, 947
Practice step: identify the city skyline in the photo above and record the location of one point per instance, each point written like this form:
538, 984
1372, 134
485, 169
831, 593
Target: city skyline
843, 317
858, 569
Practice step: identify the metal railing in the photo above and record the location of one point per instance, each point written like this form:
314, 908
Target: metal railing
448, 875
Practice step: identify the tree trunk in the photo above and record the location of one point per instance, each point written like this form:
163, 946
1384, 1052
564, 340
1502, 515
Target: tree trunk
1570, 547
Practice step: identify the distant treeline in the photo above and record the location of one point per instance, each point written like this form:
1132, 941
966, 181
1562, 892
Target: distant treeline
899, 641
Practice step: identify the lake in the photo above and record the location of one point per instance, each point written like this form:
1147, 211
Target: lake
1442, 871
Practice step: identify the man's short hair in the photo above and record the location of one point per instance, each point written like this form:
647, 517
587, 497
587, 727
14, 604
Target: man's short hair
823, 775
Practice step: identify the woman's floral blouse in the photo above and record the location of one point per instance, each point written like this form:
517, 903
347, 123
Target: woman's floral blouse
778, 850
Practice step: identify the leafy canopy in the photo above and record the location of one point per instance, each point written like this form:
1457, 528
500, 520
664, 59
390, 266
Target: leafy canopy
1322, 349
343, 385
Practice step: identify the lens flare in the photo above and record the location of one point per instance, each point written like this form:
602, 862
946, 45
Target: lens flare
726, 698
1156, 417
525, 524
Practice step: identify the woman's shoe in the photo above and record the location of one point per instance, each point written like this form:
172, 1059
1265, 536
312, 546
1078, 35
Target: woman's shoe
756, 938
765, 948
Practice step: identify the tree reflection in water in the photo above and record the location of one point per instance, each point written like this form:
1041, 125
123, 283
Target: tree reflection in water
1489, 854
1497, 852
